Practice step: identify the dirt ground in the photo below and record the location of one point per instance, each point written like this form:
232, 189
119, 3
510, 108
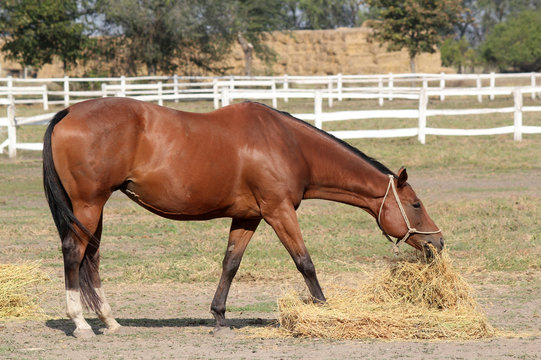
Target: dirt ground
172, 321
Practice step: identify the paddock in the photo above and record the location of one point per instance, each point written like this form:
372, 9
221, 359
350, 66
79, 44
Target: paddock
483, 191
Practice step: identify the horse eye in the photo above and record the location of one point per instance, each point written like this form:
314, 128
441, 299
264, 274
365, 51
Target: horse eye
416, 205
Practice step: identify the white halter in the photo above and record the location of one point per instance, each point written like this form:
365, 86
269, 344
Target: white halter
403, 212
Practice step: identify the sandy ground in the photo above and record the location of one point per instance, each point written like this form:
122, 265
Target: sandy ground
173, 322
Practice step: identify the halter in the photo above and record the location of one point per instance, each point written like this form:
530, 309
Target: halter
403, 212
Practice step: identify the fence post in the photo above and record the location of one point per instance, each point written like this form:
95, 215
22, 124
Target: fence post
45, 98
442, 85
339, 86
123, 86
215, 93
103, 90
66, 91
380, 90
274, 95
286, 87
532, 83
391, 84
480, 96
225, 96
492, 84
160, 93
11, 98
517, 96
329, 87
423, 103
318, 105
175, 87
12, 131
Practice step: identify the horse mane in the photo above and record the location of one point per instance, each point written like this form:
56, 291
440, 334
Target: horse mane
375, 163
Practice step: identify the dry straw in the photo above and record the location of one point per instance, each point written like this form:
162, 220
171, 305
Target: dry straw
17, 298
411, 299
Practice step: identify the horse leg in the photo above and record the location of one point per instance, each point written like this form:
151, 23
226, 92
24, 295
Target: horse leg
104, 311
283, 219
77, 267
239, 236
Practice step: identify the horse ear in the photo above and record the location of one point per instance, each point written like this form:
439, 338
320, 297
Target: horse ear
402, 177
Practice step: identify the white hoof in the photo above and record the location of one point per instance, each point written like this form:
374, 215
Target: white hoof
114, 329
83, 333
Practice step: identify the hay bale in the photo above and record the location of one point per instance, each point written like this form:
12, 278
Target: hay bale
17, 300
411, 299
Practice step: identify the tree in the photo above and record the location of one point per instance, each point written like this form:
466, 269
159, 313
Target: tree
166, 34
36, 30
458, 53
250, 20
417, 25
515, 44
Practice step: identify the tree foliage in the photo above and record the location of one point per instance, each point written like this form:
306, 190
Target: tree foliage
417, 25
165, 34
515, 44
36, 30
458, 53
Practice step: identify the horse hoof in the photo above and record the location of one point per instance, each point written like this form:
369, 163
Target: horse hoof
223, 332
83, 333
116, 329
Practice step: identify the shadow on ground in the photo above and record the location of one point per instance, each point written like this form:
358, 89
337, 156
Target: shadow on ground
67, 325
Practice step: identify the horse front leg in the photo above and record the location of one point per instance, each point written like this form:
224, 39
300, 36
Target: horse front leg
239, 236
283, 220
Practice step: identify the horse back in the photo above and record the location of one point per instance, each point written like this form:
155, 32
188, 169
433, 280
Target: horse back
179, 164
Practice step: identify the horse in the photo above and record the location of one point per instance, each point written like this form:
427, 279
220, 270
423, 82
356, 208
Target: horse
247, 161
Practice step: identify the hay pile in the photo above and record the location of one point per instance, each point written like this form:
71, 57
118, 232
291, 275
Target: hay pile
17, 300
411, 299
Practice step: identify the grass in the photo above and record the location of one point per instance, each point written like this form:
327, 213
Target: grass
486, 229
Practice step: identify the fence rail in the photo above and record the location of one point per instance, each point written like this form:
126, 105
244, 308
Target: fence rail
330, 88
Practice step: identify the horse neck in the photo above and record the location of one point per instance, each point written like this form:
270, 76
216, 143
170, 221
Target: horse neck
339, 174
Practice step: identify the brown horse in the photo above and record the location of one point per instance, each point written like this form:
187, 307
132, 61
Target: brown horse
245, 161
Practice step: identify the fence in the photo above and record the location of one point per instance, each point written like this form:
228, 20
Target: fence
225, 90
68, 90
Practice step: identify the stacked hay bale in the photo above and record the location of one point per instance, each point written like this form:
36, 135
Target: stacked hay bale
301, 52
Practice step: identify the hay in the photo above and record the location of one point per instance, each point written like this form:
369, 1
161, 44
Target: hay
17, 300
411, 299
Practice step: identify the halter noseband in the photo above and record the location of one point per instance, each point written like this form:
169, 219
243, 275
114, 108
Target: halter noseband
403, 212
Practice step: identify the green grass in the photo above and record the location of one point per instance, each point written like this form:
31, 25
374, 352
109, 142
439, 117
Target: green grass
486, 229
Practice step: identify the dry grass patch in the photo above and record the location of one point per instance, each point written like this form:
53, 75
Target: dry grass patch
17, 300
410, 299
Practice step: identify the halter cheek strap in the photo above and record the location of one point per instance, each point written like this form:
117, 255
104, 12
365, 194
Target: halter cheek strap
403, 212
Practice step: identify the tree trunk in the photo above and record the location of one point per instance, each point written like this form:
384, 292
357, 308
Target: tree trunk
248, 49
412, 64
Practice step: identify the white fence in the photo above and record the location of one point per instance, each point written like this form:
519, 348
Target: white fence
333, 89
68, 90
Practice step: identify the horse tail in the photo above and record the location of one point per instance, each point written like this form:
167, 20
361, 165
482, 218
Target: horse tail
64, 218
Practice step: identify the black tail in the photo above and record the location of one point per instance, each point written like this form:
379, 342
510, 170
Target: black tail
64, 219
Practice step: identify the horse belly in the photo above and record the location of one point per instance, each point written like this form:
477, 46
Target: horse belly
200, 194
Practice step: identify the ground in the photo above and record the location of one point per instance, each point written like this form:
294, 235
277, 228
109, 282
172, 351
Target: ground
172, 320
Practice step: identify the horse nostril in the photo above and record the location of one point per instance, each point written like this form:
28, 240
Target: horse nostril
441, 242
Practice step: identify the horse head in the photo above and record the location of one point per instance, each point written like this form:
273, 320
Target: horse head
402, 215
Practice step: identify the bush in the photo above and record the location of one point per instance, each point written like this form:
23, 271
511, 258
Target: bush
515, 45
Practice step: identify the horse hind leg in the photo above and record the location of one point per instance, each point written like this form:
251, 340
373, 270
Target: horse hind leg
104, 310
81, 262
